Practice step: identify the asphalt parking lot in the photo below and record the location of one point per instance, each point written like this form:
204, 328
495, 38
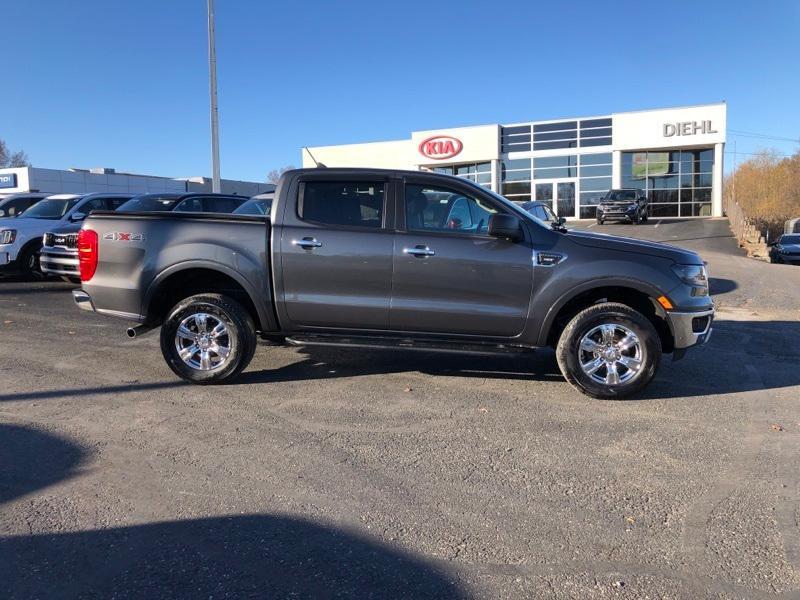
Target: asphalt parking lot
369, 474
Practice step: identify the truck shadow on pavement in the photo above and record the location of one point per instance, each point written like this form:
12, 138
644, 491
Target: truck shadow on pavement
241, 556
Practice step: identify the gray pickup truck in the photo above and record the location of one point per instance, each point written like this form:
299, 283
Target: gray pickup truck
384, 258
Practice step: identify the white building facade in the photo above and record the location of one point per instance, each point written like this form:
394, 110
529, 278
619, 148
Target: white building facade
83, 181
675, 155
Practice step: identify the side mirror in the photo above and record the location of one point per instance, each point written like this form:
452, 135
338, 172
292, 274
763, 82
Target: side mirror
77, 216
505, 226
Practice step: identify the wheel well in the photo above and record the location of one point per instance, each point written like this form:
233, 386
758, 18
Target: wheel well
637, 300
189, 282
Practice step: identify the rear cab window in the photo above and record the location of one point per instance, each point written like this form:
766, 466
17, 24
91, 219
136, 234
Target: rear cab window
343, 203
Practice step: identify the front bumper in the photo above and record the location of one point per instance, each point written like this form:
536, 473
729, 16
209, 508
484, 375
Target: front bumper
690, 328
616, 215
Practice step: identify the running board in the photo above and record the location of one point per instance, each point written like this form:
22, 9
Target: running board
405, 343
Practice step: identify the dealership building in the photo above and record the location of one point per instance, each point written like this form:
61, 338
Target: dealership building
675, 155
103, 179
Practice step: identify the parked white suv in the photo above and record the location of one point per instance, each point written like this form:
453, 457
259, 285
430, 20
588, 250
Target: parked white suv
21, 237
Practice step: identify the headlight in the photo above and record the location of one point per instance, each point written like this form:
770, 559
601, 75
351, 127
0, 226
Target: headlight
7, 236
695, 276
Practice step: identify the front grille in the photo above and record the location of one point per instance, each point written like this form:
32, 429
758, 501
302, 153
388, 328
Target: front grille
63, 240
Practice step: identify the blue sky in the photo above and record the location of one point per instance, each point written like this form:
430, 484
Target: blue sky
124, 84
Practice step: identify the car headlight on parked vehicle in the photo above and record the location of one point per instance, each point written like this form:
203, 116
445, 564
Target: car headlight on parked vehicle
7, 236
695, 276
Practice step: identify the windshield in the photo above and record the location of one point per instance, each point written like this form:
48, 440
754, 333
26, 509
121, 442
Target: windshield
621, 195
150, 203
254, 207
50, 208
790, 239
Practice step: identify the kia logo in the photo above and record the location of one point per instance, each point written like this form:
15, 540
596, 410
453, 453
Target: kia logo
440, 147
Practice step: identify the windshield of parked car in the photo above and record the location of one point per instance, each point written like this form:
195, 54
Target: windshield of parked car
254, 207
150, 203
621, 195
790, 239
50, 208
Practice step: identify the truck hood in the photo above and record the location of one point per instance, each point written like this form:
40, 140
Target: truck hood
624, 244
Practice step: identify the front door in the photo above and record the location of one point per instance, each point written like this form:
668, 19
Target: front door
559, 193
336, 255
450, 276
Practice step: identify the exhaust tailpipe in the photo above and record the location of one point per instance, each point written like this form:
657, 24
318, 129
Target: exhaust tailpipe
138, 330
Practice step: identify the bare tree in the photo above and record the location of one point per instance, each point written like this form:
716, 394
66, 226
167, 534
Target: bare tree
275, 175
17, 159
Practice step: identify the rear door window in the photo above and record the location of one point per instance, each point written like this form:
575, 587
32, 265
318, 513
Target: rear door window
343, 203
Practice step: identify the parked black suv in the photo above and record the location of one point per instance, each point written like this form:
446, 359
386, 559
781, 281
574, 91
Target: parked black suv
627, 204
786, 249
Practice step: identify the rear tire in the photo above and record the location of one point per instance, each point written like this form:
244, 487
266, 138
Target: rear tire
583, 345
195, 352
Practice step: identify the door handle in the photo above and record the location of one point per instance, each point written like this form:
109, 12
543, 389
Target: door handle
307, 243
419, 251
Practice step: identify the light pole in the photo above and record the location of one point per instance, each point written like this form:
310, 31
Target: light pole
212, 76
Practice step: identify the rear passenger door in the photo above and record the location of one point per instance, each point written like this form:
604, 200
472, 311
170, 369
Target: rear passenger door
336, 253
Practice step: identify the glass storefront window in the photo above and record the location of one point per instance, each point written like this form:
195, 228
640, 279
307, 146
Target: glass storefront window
517, 163
556, 173
677, 183
517, 187
595, 184
604, 158
556, 161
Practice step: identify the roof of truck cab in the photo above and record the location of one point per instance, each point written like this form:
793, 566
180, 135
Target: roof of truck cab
368, 171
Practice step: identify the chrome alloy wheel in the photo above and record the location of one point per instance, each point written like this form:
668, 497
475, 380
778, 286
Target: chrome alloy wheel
203, 342
611, 354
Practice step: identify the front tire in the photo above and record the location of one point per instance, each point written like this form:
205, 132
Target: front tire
609, 351
208, 338
29, 263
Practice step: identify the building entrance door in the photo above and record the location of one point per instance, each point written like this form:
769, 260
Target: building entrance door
559, 193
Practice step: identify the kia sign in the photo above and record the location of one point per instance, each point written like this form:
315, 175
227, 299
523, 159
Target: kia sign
440, 147
9, 180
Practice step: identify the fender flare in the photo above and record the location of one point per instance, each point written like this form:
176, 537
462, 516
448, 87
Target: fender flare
266, 323
625, 282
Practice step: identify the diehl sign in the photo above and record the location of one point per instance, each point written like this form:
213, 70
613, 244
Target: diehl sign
8, 180
688, 128
440, 147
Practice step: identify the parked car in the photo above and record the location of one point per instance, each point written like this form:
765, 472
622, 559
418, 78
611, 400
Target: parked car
257, 205
13, 205
786, 249
541, 210
385, 258
193, 202
59, 254
623, 205
21, 237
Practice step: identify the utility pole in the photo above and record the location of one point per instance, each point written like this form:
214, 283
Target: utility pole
212, 76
